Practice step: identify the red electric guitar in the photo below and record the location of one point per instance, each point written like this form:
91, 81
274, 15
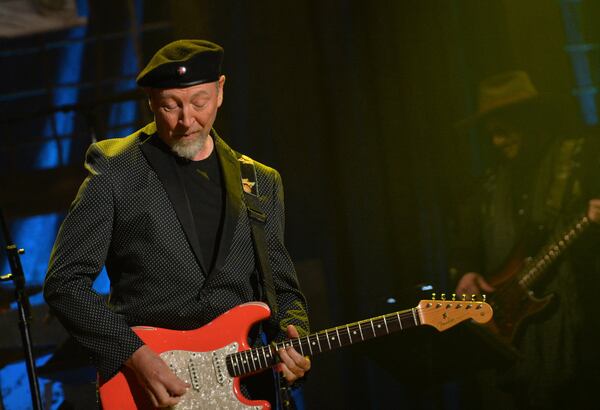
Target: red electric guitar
213, 358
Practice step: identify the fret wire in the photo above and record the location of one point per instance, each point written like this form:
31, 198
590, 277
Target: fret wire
300, 346
242, 363
241, 359
251, 361
237, 364
309, 346
257, 358
349, 334
386, 326
272, 354
399, 320
327, 336
360, 330
373, 327
414, 313
319, 343
265, 356
260, 351
338, 336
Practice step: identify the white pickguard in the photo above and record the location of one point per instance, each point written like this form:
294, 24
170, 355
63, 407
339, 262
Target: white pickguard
206, 372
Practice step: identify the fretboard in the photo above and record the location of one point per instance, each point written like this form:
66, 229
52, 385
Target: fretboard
254, 360
544, 259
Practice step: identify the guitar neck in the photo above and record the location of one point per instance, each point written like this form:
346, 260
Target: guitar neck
253, 360
536, 268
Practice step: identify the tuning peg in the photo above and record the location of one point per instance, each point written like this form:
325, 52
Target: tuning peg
473, 297
453, 297
443, 296
484, 297
464, 297
433, 296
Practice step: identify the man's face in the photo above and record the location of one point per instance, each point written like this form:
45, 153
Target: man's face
504, 136
184, 116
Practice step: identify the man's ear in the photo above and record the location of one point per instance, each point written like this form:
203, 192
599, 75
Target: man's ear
221, 83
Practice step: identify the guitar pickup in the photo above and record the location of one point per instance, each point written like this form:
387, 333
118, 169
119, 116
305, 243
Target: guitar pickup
194, 373
219, 367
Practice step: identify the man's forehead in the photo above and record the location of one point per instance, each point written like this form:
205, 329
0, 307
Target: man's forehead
202, 90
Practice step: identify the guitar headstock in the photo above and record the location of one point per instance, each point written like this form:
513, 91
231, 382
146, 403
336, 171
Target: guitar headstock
443, 314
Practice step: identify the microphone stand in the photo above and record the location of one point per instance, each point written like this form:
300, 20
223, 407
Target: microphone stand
18, 277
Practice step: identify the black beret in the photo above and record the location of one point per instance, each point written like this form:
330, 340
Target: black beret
181, 64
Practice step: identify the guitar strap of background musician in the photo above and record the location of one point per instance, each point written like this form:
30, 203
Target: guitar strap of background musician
257, 224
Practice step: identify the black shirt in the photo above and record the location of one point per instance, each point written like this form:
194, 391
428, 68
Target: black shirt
203, 184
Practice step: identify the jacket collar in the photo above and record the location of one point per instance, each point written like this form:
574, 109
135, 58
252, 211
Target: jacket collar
164, 163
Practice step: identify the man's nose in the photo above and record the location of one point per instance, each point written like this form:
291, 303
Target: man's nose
186, 118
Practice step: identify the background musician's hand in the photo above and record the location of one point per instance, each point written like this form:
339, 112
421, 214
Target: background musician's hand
293, 365
473, 283
594, 210
163, 387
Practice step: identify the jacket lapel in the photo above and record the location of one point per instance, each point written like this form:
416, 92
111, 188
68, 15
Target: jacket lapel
163, 162
232, 180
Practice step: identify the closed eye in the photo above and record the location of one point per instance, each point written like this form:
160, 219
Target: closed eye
168, 108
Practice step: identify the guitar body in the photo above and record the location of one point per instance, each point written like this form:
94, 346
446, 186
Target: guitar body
197, 357
513, 305
513, 301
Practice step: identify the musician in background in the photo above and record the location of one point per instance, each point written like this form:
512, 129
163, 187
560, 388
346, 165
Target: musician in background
542, 180
164, 209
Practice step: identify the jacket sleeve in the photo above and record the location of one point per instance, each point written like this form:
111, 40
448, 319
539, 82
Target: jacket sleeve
79, 253
290, 300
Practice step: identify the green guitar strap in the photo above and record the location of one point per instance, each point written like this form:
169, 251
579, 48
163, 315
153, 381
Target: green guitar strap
257, 223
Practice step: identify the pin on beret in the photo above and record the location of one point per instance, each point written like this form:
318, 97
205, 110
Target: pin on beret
181, 64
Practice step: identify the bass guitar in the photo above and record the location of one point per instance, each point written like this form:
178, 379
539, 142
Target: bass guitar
213, 358
514, 300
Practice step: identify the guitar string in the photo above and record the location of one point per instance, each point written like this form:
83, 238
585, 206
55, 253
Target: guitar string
572, 232
248, 358
252, 356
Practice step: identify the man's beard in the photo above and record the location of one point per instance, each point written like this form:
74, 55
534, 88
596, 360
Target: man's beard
189, 149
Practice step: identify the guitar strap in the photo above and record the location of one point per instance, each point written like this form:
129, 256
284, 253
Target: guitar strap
257, 224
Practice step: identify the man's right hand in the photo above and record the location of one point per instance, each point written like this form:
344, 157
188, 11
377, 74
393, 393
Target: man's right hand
163, 387
473, 283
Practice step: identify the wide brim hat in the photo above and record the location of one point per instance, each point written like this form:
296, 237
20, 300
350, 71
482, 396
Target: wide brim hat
501, 92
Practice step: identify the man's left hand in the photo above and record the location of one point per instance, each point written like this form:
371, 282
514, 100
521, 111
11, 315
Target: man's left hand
593, 213
293, 365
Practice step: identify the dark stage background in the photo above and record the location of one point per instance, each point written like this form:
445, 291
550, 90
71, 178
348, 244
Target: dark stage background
353, 102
